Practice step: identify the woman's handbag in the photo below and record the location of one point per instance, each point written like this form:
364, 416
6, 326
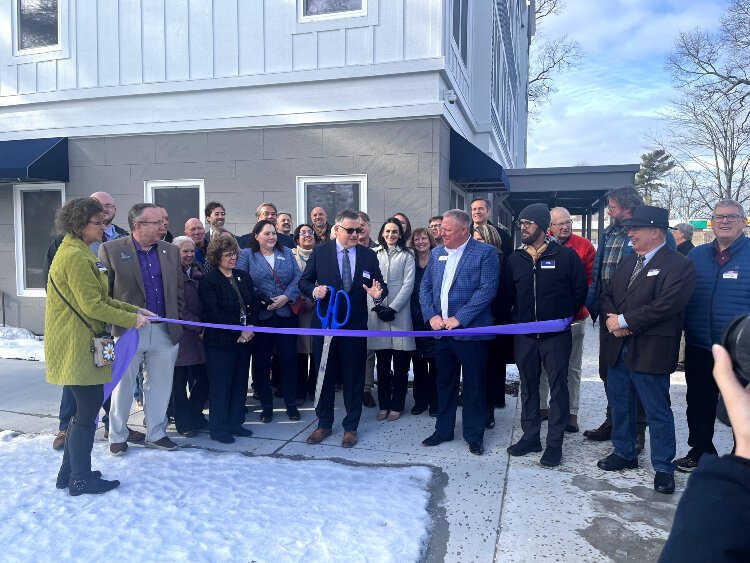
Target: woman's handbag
102, 344
299, 305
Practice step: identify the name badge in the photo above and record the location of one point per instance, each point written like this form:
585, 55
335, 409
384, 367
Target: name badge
124, 256
101, 267
280, 258
630, 243
366, 274
548, 264
653, 273
731, 275
442, 258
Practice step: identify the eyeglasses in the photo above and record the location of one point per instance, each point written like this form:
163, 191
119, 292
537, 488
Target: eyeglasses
109, 206
160, 223
352, 230
563, 223
435, 226
306, 233
97, 223
611, 207
524, 223
229, 254
728, 218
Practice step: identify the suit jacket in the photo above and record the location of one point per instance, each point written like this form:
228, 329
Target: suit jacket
323, 269
126, 279
221, 306
653, 307
266, 284
473, 288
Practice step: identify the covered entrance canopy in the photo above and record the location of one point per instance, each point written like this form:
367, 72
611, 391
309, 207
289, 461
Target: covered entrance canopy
34, 160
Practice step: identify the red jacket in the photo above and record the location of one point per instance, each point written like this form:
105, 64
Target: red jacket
586, 253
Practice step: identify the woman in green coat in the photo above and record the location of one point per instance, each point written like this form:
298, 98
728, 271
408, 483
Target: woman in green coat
80, 278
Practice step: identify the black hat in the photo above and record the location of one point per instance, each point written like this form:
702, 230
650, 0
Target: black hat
537, 212
648, 216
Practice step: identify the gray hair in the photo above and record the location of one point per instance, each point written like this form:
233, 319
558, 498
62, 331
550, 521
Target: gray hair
266, 204
459, 215
134, 215
364, 216
626, 197
729, 203
182, 239
559, 210
686, 230
346, 214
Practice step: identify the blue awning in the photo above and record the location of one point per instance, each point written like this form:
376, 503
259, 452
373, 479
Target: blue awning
34, 160
474, 170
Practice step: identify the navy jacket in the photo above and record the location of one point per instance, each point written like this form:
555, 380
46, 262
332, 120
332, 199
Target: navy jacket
265, 283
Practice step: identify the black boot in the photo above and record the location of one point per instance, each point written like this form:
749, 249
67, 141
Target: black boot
91, 486
63, 479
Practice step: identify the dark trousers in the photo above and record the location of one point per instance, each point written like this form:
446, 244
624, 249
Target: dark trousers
68, 409
496, 373
702, 397
286, 352
552, 352
188, 411
227, 387
392, 385
425, 382
641, 422
80, 432
346, 360
306, 375
452, 356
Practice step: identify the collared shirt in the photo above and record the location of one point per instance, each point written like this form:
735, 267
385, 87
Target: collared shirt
451, 265
721, 256
616, 239
646, 259
109, 234
148, 259
340, 258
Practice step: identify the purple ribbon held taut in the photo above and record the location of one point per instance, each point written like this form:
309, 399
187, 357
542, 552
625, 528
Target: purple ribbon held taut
125, 348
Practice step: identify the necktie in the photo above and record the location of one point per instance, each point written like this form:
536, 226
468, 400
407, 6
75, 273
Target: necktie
104, 236
346, 271
637, 269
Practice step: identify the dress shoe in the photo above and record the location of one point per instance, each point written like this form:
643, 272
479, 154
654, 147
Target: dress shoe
544, 414
523, 447
188, 433
59, 442
266, 416
382, 415
223, 438
601, 434
393, 416
664, 483
572, 425
368, 400
614, 462
91, 486
242, 432
686, 464
640, 441
476, 448
433, 412
490, 421
551, 456
162, 444
135, 437
63, 479
349, 440
293, 413
416, 410
318, 435
435, 440
118, 448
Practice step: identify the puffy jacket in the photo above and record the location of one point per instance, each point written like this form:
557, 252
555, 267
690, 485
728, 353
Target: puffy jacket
553, 287
586, 252
719, 295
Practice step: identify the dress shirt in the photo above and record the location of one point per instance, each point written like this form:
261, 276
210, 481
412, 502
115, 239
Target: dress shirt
340, 258
646, 259
148, 259
454, 255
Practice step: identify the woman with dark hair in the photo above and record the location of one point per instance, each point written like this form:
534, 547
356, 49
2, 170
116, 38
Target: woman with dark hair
275, 275
78, 304
423, 358
304, 236
392, 314
190, 367
228, 297
405, 225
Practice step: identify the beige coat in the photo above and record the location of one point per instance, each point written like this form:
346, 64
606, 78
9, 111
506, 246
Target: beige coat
397, 267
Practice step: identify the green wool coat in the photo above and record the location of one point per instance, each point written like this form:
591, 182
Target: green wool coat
67, 341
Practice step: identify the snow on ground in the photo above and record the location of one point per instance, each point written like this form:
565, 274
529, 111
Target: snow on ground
202, 506
20, 344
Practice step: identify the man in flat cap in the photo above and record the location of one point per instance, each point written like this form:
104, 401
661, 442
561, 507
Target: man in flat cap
643, 308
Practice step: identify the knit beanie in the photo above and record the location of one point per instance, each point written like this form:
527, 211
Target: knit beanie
537, 212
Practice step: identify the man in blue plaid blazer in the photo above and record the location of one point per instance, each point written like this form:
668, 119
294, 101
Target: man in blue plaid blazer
458, 286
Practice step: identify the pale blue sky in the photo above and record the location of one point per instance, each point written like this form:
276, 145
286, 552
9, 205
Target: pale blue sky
603, 110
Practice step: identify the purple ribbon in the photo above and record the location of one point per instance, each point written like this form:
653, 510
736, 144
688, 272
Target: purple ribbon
125, 348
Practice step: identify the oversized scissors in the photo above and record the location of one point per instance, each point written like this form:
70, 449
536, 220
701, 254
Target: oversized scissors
331, 319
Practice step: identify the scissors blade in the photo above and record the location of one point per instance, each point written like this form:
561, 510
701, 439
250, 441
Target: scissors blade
322, 368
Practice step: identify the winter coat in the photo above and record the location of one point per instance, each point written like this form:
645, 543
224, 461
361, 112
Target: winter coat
721, 292
586, 252
397, 267
191, 345
425, 344
304, 343
67, 341
265, 282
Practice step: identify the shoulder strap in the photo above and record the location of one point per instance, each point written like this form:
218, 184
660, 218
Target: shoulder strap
283, 289
71, 306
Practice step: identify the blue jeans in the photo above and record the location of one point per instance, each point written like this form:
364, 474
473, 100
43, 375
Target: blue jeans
653, 390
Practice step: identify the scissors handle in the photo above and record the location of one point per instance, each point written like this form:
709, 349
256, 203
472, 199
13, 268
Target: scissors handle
325, 318
335, 323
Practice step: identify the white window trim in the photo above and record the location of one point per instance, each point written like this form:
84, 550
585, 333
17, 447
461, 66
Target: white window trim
367, 16
332, 16
18, 189
459, 191
50, 52
302, 181
150, 185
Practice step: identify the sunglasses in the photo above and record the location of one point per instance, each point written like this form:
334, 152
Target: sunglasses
352, 230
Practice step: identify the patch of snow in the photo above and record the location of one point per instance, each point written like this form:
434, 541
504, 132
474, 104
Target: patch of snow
20, 344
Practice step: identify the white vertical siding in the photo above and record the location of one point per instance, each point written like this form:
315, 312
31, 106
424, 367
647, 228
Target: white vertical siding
177, 33
153, 40
201, 32
130, 41
108, 44
225, 38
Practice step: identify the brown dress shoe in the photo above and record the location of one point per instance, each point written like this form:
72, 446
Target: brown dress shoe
318, 435
350, 440
163, 444
135, 437
601, 434
640, 441
118, 448
59, 442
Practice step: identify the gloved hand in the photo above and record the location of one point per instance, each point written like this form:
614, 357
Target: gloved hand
386, 314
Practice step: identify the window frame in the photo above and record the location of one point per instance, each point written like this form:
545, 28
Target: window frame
47, 53
18, 222
367, 16
457, 191
301, 17
464, 15
150, 185
303, 215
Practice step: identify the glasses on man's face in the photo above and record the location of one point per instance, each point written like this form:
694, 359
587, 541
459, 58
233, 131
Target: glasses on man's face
435, 227
306, 233
612, 207
563, 223
97, 223
726, 218
352, 230
229, 255
109, 206
160, 223
524, 223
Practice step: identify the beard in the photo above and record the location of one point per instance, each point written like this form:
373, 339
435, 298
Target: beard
531, 238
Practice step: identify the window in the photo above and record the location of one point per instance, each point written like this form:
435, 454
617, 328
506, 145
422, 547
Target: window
461, 28
38, 24
458, 198
498, 65
35, 206
183, 200
332, 193
315, 9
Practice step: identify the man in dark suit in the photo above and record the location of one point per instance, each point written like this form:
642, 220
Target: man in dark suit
458, 286
145, 271
343, 264
216, 216
268, 212
644, 304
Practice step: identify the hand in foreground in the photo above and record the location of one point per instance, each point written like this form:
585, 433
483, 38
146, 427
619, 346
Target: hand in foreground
612, 323
320, 292
245, 336
437, 323
375, 291
736, 398
278, 302
141, 320
145, 312
621, 332
451, 322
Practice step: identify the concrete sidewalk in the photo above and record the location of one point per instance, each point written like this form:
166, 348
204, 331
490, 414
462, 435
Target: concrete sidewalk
484, 508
